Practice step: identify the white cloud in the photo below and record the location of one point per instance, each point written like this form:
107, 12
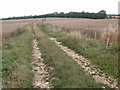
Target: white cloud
11, 8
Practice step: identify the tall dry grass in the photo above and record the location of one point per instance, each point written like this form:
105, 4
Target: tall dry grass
100, 29
9, 28
109, 31
7, 35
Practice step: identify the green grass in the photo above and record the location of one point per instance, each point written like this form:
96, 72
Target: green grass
106, 60
66, 72
17, 56
92, 49
51, 31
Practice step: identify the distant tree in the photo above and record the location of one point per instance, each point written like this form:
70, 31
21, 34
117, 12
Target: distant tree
102, 11
100, 15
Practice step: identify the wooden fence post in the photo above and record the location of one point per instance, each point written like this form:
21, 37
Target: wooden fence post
108, 43
95, 35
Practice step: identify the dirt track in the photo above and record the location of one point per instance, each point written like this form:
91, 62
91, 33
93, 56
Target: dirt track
39, 68
87, 66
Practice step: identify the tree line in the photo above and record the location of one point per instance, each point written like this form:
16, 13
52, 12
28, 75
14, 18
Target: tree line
100, 15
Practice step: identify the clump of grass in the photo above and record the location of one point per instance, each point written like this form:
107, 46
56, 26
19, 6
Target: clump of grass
76, 34
35, 65
52, 30
17, 56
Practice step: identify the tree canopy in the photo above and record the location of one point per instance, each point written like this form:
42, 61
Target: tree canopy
100, 15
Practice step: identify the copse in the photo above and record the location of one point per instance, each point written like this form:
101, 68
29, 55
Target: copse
100, 15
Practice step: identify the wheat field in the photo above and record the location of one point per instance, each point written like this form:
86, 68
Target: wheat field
100, 29
9, 27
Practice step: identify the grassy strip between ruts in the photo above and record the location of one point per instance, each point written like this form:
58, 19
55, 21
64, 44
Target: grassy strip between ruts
65, 72
16, 59
106, 60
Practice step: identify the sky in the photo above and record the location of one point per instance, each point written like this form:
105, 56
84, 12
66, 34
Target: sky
10, 8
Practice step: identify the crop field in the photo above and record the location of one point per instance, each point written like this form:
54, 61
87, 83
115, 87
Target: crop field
60, 53
11, 26
80, 23
99, 29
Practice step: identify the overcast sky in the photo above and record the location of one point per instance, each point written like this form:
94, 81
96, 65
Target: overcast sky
10, 8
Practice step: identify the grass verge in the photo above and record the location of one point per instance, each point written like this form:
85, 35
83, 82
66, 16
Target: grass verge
16, 59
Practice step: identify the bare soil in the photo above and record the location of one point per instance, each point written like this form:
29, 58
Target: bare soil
38, 67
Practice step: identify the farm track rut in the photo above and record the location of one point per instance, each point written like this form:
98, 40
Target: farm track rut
38, 67
98, 75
